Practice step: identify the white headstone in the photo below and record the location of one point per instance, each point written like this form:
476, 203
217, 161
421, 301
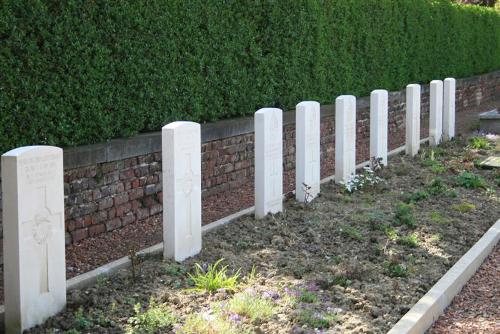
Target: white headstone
345, 138
307, 143
379, 124
436, 112
268, 161
181, 161
449, 109
33, 234
412, 119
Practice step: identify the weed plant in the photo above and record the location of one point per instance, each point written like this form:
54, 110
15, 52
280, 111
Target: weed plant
411, 240
479, 143
395, 269
214, 277
199, 324
351, 232
464, 207
158, 317
404, 215
316, 320
251, 306
470, 180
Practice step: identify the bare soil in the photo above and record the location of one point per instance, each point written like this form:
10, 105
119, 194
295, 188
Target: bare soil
363, 266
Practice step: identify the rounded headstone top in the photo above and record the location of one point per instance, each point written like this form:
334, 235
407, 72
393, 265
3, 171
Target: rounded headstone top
32, 149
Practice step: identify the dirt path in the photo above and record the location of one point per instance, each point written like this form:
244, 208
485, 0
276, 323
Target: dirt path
477, 308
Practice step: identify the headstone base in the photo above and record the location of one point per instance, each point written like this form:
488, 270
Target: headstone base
490, 121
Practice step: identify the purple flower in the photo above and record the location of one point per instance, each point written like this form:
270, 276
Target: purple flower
271, 294
235, 317
334, 310
312, 287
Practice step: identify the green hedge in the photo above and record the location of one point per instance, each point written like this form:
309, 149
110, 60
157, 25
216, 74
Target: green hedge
83, 71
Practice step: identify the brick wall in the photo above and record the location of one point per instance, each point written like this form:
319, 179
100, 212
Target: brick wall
104, 196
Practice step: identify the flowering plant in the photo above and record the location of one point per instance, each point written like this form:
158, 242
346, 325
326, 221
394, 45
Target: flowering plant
360, 181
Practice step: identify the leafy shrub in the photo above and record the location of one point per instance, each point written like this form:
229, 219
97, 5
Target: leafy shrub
213, 278
146, 65
470, 180
478, 143
404, 215
251, 306
156, 317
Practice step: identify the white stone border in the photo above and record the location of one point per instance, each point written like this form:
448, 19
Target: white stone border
87, 279
428, 309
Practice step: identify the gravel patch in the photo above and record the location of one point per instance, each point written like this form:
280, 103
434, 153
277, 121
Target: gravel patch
476, 309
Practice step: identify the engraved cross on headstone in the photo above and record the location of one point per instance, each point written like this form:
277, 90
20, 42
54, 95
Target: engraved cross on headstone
189, 183
38, 231
311, 141
275, 172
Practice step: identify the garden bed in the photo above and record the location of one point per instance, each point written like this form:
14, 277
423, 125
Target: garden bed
350, 263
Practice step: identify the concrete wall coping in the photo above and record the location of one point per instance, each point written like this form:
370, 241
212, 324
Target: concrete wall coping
147, 143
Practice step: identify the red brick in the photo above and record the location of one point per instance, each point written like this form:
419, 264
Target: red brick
127, 174
113, 224
135, 183
142, 213
111, 213
157, 208
79, 234
105, 203
87, 221
128, 219
136, 193
135, 205
97, 229
120, 199
99, 217
123, 209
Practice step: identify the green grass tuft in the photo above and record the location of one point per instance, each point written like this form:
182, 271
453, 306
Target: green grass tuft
214, 278
251, 306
